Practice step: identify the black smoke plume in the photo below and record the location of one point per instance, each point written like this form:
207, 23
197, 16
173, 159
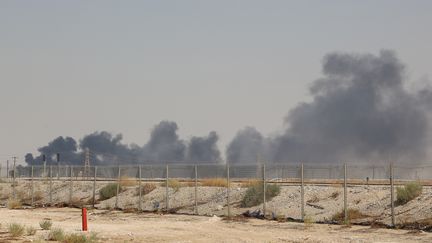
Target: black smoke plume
164, 146
361, 111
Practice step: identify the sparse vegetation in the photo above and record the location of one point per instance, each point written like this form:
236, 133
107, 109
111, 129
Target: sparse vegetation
108, 191
31, 230
352, 215
45, 224
16, 230
126, 181
146, 188
255, 193
408, 192
335, 195
308, 221
174, 184
80, 238
56, 234
249, 183
14, 203
215, 182
38, 195
314, 199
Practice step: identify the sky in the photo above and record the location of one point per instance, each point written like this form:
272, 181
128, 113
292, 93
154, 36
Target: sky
74, 67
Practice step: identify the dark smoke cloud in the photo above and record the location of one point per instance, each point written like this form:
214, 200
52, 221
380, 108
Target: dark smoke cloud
164, 146
67, 147
360, 110
246, 146
204, 149
164, 143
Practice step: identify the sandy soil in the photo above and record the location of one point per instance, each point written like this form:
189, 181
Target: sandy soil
116, 226
322, 202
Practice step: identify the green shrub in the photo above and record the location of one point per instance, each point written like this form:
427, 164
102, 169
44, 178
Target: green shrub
80, 238
16, 229
31, 230
108, 191
56, 234
255, 193
45, 224
408, 192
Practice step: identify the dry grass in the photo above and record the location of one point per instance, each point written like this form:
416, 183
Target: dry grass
250, 183
334, 195
56, 234
146, 188
190, 184
214, 182
38, 195
14, 203
313, 199
308, 221
45, 224
76, 202
174, 184
353, 214
80, 238
16, 230
31, 230
128, 181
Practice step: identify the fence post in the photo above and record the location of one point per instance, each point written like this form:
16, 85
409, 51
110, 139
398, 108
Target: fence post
166, 191
140, 189
50, 185
264, 188
94, 186
118, 187
70, 185
392, 195
228, 190
13, 181
196, 189
345, 195
302, 192
32, 187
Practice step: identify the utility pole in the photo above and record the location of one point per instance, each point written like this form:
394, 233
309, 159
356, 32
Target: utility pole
7, 169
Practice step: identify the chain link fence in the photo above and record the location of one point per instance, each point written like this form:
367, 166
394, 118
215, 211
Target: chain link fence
301, 191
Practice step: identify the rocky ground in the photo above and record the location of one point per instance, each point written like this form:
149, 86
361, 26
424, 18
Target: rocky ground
117, 226
322, 202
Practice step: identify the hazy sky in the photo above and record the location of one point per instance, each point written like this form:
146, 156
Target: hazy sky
73, 67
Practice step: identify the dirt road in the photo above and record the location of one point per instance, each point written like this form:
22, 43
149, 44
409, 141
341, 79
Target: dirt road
115, 226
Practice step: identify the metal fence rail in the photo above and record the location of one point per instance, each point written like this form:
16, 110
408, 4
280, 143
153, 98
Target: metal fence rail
299, 175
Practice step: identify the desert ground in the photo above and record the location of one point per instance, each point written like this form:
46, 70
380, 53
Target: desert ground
117, 226
321, 202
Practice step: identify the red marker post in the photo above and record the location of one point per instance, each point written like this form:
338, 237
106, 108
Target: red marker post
84, 219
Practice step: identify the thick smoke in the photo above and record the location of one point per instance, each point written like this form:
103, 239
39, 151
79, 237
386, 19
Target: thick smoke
246, 147
164, 146
67, 147
360, 111
204, 149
